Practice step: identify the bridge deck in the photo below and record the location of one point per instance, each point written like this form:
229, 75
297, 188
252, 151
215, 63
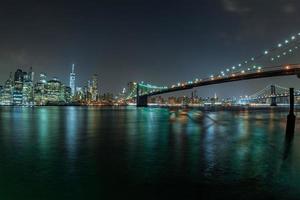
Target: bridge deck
293, 69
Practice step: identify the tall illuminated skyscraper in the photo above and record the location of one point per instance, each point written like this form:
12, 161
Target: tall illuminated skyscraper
31, 75
95, 87
28, 89
72, 80
40, 90
18, 87
7, 93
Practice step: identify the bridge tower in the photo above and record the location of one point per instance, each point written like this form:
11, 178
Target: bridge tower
141, 100
273, 96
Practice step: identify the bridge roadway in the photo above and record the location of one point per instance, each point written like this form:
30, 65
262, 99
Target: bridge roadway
282, 70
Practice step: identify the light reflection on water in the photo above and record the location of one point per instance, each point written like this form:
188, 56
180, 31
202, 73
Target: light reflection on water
81, 152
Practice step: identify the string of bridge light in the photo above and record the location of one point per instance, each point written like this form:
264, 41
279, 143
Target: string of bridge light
285, 43
289, 50
152, 86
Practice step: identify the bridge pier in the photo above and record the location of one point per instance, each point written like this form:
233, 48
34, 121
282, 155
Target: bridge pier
141, 100
273, 98
273, 101
291, 118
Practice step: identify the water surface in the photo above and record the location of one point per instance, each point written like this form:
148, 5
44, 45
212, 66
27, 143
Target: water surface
146, 153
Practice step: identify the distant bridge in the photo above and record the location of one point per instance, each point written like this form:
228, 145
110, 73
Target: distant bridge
271, 92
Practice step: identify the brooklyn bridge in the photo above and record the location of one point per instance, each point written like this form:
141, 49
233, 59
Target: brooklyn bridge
269, 63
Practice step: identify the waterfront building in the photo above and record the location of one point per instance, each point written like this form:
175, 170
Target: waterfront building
18, 88
40, 90
108, 97
91, 90
28, 89
7, 93
65, 94
53, 91
19, 75
95, 87
86, 92
79, 95
1, 92
172, 100
28, 98
72, 80
152, 100
31, 75
43, 78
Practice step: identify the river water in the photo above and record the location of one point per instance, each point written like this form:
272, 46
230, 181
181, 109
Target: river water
146, 153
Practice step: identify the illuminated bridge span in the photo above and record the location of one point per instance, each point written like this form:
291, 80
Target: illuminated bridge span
271, 92
285, 70
269, 63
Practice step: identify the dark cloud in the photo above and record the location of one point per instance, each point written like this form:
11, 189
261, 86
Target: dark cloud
289, 8
261, 7
235, 6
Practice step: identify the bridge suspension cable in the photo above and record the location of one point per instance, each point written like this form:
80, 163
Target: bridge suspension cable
275, 53
145, 87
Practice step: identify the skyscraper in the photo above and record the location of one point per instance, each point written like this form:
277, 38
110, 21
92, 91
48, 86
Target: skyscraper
72, 81
31, 75
7, 94
28, 89
43, 78
40, 90
53, 91
95, 87
19, 76
1, 92
18, 87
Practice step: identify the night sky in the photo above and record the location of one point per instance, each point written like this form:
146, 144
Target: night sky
157, 41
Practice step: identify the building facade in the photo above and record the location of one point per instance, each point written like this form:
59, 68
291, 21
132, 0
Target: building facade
72, 80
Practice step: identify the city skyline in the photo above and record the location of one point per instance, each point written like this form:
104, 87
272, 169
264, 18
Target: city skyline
25, 88
144, 45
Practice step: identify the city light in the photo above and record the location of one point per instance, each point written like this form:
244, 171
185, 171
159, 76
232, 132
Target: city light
22, 90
